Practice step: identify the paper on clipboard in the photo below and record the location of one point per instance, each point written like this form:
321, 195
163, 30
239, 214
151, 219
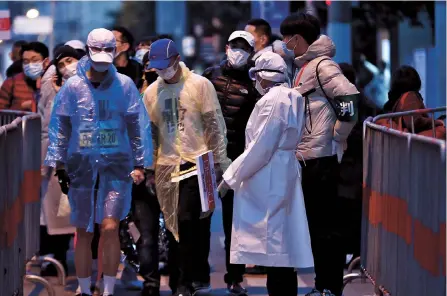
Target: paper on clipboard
207, 181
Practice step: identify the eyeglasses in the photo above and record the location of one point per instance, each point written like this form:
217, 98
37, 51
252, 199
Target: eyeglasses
99, 49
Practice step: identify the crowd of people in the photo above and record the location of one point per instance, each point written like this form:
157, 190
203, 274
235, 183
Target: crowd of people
121, 133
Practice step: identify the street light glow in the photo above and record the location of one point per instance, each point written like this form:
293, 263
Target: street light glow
32, 13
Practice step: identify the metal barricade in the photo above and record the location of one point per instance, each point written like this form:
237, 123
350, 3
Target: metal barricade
404, 210
20, 158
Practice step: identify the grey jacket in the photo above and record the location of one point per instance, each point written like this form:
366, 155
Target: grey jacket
327, 135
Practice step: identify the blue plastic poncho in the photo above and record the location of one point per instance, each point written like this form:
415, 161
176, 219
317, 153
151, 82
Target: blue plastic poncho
96, 132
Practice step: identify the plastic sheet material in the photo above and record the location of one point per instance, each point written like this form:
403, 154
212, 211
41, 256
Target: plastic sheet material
188, 121
96, 132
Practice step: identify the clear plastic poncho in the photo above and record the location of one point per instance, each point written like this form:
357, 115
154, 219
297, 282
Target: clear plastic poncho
96, 132
187, 121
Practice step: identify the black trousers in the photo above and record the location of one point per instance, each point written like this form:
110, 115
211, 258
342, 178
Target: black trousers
191, 253
146, 214
319, 180
282, 281
235, 272
54, 244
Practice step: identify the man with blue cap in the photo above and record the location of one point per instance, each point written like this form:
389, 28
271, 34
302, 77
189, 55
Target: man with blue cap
186, 122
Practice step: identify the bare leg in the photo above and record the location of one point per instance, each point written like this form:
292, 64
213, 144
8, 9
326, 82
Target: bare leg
100, 259
111, 254
83, 253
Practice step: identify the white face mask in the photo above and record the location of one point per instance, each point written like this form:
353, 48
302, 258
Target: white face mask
169, 72
259, 88
69, 70
237, 57
100, 67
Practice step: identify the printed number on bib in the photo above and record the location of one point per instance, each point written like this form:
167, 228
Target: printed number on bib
107, 138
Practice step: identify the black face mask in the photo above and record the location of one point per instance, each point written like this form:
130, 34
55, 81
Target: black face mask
150, 77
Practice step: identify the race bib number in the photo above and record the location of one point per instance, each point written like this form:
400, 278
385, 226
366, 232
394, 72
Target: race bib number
107, 138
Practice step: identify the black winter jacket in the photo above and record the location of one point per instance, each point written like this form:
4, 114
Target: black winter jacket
237, 98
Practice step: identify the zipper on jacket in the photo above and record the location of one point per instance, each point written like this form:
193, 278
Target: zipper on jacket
226, 89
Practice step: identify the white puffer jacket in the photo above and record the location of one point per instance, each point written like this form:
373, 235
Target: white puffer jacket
327, 135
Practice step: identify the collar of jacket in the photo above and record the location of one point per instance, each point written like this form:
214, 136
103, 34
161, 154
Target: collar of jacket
237, 74
323, 46
84, 65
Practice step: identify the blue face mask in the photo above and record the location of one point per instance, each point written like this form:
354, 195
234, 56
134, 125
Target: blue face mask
290, 53
139, 55
33, 70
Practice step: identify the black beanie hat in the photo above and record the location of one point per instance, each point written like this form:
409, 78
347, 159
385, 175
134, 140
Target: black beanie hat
66, 51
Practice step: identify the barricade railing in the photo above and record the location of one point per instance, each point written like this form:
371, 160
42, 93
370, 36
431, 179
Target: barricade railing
412, 113
20, 157
404, 210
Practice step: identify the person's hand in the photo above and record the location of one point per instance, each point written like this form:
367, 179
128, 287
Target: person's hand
54, 83
27, 105
137, 175
219, 173
64, 180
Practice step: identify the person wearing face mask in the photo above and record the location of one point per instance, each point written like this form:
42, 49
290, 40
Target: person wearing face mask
237, 98
269, 223
96, 147
22, 91
262, 32
56, 230
143, 47
331, 109
124, 47
186, 122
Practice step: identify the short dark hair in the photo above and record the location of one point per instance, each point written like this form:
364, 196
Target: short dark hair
148, 40
303, 24
36, 46
126, 35
19, 43
262, 27
348, 71
164, 36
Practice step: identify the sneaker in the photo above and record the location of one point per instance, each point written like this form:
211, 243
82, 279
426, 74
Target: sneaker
201, 287
236, 290
182, 292
314, 292
129, 279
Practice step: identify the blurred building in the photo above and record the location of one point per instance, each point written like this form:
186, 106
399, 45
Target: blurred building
71, 20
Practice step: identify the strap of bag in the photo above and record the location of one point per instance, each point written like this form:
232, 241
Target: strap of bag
321, 86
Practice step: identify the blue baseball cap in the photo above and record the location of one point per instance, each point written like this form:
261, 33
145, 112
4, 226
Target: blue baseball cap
160, 54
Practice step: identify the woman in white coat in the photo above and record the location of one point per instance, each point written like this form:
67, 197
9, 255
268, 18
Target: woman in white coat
269, 221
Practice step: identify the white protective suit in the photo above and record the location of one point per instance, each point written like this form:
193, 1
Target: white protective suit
186, 122
269, 220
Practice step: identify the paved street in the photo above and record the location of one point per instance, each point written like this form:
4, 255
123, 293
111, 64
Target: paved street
255, 284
